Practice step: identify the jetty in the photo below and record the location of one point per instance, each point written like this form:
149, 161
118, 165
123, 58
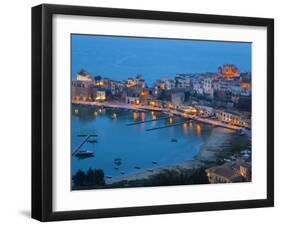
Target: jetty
110, 105
145, 121
82, 143
166, 126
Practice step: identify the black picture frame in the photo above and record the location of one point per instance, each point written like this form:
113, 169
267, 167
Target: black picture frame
42, 111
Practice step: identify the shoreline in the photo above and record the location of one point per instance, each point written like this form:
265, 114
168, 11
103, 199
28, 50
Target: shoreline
187, 164
206, 153
118, 105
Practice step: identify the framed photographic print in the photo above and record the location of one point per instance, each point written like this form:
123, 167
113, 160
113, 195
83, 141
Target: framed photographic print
145, 112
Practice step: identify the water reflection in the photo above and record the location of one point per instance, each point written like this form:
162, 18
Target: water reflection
153, 115
170, 120
142, 116
185, 128
135, 115
198, 129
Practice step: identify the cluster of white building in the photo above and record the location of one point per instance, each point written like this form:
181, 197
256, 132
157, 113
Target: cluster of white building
205, 85
227, 88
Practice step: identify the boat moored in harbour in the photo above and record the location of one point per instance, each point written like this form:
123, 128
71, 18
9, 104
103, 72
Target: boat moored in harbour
84, 153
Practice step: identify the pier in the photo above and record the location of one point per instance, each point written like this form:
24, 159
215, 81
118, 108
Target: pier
166, 126
149, 120
110, 105
83, 142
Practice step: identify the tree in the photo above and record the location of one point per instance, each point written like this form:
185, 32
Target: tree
99, 174
79, 178
98, 78
90, 177
244, 104
186, 96
163, 95
95, 177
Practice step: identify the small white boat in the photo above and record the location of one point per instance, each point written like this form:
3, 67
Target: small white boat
84, 153
114, 116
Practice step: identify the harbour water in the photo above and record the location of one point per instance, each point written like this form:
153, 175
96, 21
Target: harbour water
137, 148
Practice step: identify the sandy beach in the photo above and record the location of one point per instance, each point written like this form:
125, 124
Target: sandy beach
219, 138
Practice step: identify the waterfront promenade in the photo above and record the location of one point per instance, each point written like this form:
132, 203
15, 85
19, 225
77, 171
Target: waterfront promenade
143, 108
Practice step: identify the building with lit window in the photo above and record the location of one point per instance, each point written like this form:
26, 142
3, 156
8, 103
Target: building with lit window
230, 172
100, 95
83, 90
83, 75
234, 118
229, 71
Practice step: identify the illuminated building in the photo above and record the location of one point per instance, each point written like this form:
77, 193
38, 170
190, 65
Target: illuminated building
84, 76
229, 71
131, 82
245, 85
132, 100
230, 172
82, 90
233, 118
100, 95
138, 81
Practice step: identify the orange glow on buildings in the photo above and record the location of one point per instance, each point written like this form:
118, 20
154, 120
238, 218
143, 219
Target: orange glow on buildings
144, 93
99, 84
152, 103
229, 71
245, 85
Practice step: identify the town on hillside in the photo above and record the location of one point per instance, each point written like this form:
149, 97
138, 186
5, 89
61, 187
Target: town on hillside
221, 98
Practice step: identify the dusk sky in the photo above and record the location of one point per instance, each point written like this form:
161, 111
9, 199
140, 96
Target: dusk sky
122, 57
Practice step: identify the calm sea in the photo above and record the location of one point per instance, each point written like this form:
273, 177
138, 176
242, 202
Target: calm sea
133, 144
